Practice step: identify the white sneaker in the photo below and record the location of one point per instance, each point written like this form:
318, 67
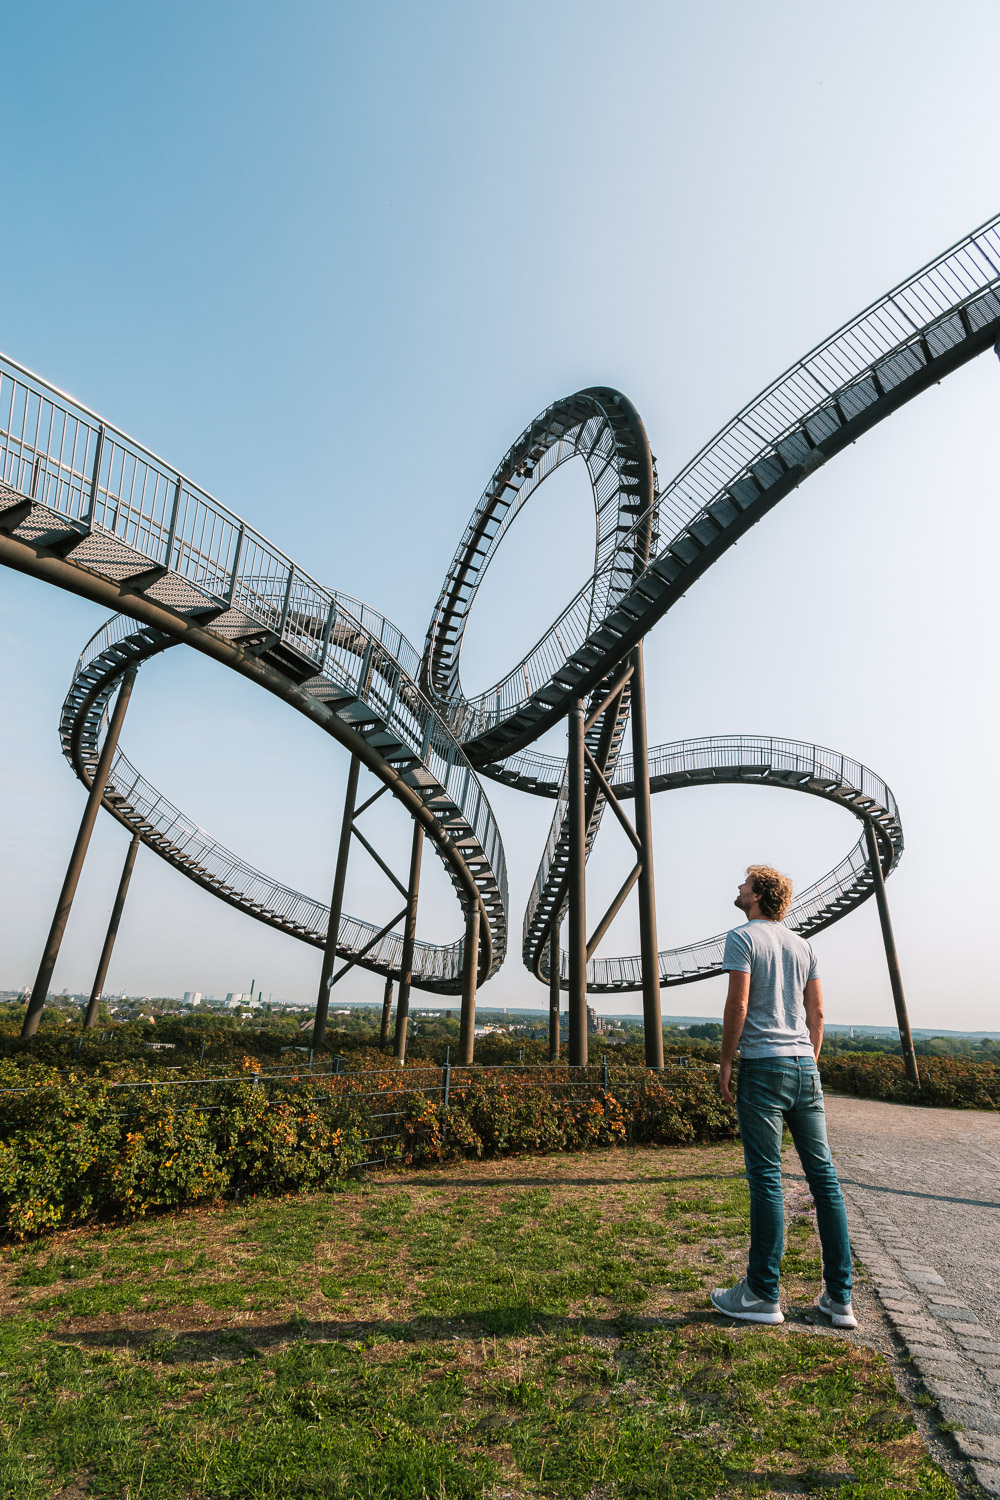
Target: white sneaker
739, 1302
841, 1314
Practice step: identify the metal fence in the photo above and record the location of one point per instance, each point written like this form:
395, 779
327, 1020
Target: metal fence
327, 1081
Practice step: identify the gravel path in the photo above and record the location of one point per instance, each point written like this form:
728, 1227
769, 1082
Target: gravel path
923, 1197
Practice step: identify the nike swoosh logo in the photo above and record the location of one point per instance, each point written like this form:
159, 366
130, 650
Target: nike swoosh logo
754, 1301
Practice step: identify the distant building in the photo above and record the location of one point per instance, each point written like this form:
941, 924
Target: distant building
192, 997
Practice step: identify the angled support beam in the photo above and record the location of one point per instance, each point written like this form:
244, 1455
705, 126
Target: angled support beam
554, 996
613, 910
336, 906
40, 988
891, 958
409, 937
470, 974
371, 800
366, 949
401, 888
608, 699
577, 887
652, 1015
612, 800
383, 1035
90, 1019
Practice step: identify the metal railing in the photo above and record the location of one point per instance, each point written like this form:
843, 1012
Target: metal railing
754, 760
315, 1087
190, 848
102, 483
594, 427
933, 311
668, 762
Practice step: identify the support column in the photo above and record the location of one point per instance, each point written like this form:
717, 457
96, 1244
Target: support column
576, 817
409, 936
470, 977
652, 1019
336, 906
555, 996
895, 978
40, 988
383, 1035
90, 1019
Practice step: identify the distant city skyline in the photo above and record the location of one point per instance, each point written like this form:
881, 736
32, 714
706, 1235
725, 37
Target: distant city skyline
323, 279
423, 1006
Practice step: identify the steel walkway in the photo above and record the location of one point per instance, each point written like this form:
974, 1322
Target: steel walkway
143, 810
87, 509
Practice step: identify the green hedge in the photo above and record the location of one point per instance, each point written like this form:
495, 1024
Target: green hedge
84, 1150
944, 1081
499, 1116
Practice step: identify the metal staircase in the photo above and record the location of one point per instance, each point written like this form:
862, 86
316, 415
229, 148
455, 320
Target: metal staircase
86, 508
924, 329
141, 809
89, 510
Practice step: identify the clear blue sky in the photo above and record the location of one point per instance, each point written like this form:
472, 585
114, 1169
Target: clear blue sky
329, 259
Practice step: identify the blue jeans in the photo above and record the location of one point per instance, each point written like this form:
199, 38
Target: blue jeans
772, 1089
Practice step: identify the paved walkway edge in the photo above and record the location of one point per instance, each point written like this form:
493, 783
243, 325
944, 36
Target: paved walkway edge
957, 1359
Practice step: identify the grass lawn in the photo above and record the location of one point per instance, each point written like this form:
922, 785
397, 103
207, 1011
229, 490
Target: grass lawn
535, 1327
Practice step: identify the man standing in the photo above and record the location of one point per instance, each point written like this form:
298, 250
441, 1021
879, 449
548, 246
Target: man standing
774, 1014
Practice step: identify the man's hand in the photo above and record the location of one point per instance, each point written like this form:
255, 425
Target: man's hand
725, 1082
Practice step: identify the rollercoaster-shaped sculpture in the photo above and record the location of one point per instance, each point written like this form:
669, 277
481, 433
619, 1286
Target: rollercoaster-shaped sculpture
91, 511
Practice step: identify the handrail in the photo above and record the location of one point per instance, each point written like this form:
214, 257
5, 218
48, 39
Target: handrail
91, 474
196, 853
930, 313
747, 759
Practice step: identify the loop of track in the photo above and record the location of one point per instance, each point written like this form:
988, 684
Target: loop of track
85, 508
163, 828
904, 343
928, 326
744, 760
600, 427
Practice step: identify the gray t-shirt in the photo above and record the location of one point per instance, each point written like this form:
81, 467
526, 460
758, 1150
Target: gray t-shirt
780, 963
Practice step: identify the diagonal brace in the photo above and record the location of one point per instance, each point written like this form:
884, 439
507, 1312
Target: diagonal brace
401, 888
612, 911
372, 799
366, 949
612, 800
607, 700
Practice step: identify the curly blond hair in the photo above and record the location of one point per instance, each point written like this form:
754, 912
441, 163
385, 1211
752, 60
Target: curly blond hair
772, 889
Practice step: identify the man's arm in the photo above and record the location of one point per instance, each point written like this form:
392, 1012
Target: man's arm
732, 1029
812, 999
